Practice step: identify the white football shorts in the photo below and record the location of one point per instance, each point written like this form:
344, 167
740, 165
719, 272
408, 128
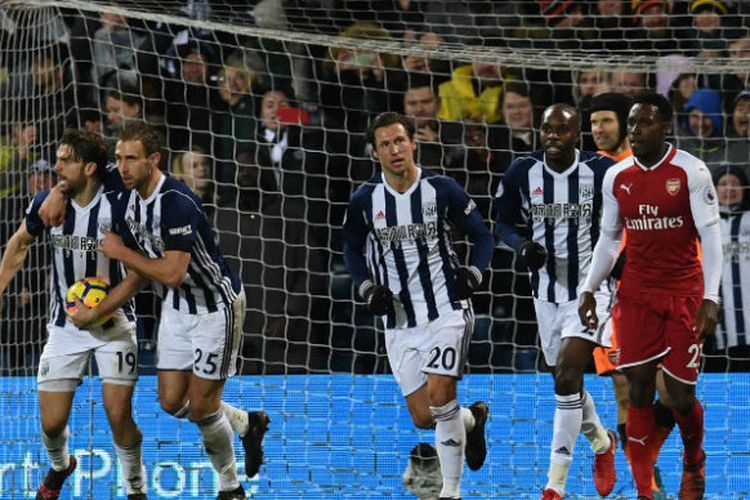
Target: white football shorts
439, 347
207, 344
558, 321
116, 358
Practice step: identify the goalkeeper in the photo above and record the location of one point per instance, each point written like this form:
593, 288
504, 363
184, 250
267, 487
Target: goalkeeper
398, 250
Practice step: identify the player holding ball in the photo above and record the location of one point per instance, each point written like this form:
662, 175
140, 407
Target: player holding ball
81, 166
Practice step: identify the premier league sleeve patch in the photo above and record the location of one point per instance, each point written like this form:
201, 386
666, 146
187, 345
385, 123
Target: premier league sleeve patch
709, 196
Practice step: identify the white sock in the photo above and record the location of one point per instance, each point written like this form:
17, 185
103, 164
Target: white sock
132, 468
567, 426
57, 449
237, 418
450, 441
557, 476
468, 419
219, 442
592, 427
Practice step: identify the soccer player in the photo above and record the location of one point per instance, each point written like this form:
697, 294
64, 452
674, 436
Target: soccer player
665, 199
556, 193
81, 164
608, 117
398, 249
166, 238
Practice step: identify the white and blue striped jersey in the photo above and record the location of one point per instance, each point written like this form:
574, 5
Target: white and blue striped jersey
402, 241
735, 281
75, 246
559, 210
172, 218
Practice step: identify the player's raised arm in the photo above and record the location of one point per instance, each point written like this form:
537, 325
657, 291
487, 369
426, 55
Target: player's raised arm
52, 210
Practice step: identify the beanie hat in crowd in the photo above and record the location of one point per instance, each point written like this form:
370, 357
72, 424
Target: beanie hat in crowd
742, 96
554, 10
717, 5
41, 166
612, 101
638, 6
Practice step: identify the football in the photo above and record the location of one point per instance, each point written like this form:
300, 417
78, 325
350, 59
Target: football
91, 291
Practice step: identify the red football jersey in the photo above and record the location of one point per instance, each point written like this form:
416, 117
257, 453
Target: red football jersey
661, 208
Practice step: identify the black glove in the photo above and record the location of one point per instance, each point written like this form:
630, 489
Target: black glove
619, 266
532, 254
379, 299
466, 280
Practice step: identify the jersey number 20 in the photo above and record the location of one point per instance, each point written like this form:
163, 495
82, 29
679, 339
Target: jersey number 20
445, 357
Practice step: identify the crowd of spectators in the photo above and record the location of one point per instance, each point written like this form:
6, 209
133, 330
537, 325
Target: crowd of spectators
270, 133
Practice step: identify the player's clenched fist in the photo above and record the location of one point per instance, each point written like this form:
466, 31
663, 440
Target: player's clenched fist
379, 299
533, 254
111, 245
466, 280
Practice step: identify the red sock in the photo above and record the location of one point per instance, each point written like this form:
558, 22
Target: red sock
691, 429
640, 430
660, 436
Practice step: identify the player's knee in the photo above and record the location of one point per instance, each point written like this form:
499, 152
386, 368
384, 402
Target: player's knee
441, 393
641, 394
201, 408
683, 403
119, 416
174, 407
423, 420
53, 428
666, 400
640, 398
567, 381
621, 392
623, 401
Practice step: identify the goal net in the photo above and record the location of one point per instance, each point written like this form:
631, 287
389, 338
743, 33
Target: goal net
263, 106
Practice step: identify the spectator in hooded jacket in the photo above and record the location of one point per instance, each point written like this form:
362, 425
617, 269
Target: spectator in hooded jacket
474, 92
703, 122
